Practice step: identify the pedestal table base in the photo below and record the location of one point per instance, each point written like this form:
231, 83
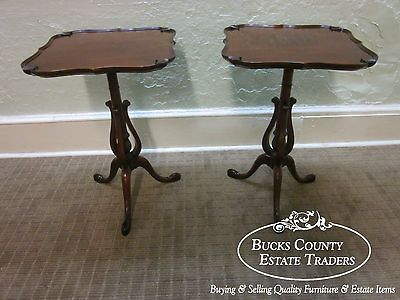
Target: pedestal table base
126, 158
276, 153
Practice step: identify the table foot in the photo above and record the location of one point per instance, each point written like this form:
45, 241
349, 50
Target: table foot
145, 164
126, 226
113, 171
289, 161
260, 160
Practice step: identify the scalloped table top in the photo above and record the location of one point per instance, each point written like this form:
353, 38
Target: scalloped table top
295, 47
103, 51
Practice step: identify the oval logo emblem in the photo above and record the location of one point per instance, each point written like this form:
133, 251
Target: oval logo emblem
304, 247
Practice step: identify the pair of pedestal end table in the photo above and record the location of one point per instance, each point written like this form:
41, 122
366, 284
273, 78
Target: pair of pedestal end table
149, 49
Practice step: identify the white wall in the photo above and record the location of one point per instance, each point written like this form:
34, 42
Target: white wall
199, 77
199, 99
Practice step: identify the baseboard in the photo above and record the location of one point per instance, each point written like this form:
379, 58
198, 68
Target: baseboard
199, 130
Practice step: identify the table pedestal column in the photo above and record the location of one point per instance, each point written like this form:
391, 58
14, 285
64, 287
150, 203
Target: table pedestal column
277, 152
126, 158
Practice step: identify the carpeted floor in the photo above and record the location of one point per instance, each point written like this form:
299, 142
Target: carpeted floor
60, 231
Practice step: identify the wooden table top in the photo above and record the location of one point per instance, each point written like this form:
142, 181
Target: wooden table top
295, 47
103, 51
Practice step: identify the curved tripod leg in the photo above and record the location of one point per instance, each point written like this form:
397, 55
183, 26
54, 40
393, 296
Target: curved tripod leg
289, 161
145, 164
277, 191
126, 188
261, 159
113, 171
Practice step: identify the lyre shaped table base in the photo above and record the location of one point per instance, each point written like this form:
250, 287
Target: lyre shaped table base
127, 159
276, 153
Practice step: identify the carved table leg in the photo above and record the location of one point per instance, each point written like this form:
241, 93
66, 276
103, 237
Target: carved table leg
277, 170
260, 160
276, 153
145, 164
113, 171
289, 162
127, 159
126, 190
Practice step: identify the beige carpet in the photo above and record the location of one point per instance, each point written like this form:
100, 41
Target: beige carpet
60, 231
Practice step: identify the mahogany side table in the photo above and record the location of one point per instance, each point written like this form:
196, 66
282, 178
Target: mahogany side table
289, 48
110, 51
